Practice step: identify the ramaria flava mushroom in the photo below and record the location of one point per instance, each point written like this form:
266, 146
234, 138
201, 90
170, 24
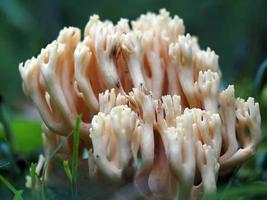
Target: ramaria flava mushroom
153, 111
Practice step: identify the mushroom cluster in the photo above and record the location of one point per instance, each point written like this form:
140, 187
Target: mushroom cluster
153, 111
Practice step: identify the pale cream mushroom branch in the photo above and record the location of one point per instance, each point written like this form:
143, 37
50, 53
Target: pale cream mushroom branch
109, 99
122, 26
131, 46
208, 86
83, 59
181, 53
111, 137
92, 167
136, 142
141, 101
50, 59
181, 153
123, 121
248, 115
106, 40
170, 27
172, 108
91, 25
158, 31
206, 60
151, 47
161, 179
208, 128
208, 166
215, 128
249, 119
35, 90
69, 37
227, 113
166, 111
103, 146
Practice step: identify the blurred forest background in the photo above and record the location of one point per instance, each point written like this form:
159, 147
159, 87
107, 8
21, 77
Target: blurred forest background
235, 30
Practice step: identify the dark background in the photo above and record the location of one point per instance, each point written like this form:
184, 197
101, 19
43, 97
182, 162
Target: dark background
236, 30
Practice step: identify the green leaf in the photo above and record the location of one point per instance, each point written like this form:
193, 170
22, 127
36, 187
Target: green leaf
17, 193
242, 191
6, 126
8, 184
32, 173
263, 97
4, 165
50, 157
33, 177
76, 134
25, 131
56, 150
260, 77
67, 170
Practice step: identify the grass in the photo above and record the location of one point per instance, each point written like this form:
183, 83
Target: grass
67, 170
75, 154
17, 193
252, 191
24, 131
33, 179
50, 158
73, 172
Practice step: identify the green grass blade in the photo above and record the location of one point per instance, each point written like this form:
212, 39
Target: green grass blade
17, 193
260, 78
43, 197
4, 165
8, 184
242, 191
9, 135
76, 134
67, 170
230, 182
7, 126
50, 157
33, 178
56, 150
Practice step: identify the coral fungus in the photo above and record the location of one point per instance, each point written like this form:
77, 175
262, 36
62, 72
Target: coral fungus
154, 114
